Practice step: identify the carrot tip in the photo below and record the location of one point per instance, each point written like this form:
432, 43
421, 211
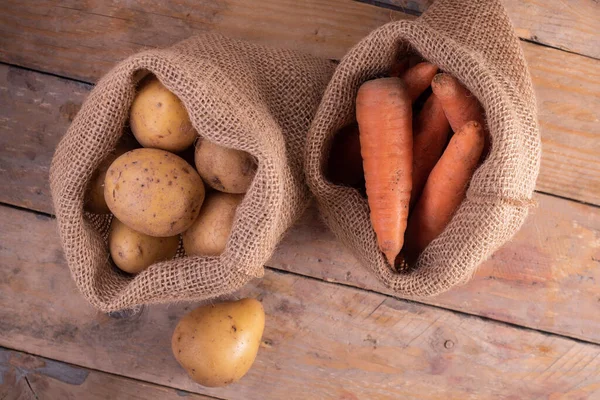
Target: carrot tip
391, 257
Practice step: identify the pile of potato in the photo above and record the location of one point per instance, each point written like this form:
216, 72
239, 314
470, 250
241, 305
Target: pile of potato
155, 194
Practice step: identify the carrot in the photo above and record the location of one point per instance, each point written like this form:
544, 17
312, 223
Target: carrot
445, 189
344, 165
459, 105
431, 134
418, 78
384, 115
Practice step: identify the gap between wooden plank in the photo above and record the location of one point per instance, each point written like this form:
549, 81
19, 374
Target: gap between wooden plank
330, 340
369, 290
496, 290
567, 89
71, 381
544, 23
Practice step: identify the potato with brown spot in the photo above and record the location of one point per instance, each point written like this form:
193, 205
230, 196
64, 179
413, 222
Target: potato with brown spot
133, 251
94, 201
217, 343
154, 192
158, 118
209, 233
224, 169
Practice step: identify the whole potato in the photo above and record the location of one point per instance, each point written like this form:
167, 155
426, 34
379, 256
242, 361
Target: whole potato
217, 344
153, 192
134, 251
94, 196
226, 170
209, 233
158, 119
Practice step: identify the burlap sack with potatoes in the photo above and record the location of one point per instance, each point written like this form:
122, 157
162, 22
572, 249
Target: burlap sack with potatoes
475, 42
237, 94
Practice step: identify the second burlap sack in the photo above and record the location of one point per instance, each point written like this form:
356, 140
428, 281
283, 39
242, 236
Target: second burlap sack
473, 41
237, 94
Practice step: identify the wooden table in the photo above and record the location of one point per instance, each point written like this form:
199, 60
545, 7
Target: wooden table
527, 326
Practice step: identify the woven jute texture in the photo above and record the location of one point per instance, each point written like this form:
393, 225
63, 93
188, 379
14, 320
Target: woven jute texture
237, 94
473, 41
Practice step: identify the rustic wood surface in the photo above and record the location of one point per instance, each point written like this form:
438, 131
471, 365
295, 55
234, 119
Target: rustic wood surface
35, 112
546, 278
568, 101
568, 98
562, 272
329, 339
28, 377
568, 25
83, 40
321, 340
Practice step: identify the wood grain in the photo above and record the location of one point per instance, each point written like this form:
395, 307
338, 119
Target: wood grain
568, 98
25, 376
571, 25
321, 340
546, 278
568, 25
35, 111
83, 40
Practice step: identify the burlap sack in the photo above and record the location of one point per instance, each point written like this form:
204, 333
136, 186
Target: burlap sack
237, 94
475, 42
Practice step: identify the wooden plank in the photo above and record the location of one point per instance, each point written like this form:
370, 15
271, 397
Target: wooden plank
25, 376
35, 111
568, 25
545, 278
321, 340
568, 98
556, 252
83, 40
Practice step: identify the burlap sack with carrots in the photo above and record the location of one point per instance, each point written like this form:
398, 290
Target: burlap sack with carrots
473, 41
240, 95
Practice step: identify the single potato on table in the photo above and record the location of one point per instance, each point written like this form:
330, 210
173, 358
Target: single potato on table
209, 233
153, 192
159, 120
133, 251
217, 343
224, 169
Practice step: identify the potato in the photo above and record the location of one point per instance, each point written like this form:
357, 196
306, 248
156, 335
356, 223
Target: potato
209, 233
217, 343
226, 170
133, 251
158, 119
153, 192
94, 196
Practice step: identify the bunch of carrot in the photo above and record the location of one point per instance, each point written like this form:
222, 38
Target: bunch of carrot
416, 171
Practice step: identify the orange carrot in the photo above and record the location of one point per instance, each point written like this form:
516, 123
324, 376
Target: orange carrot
384, 115
418, 78
445, 189
459, 105
431, 134
344, 165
